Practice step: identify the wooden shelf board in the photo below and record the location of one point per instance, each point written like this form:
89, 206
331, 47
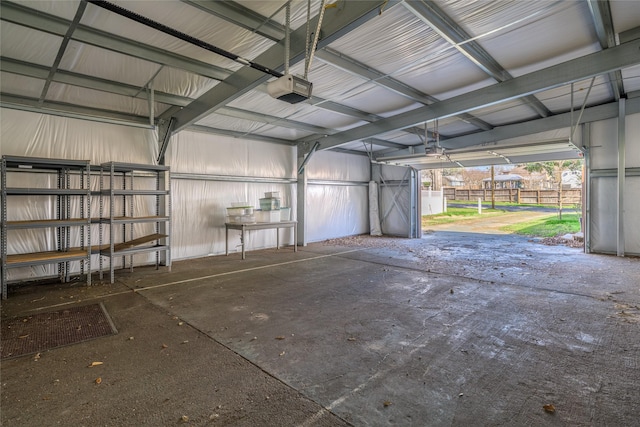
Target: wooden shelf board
53, 256
139, 241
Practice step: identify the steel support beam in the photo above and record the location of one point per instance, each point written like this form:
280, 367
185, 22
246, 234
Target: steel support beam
301, 200
595, 64
336, 24
434, 17
63, 47
603, 22
621, 175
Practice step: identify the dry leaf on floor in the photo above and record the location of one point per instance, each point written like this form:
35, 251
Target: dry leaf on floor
351, 339
549, 408
280, 337
98, 380
36, 357
23, 336
95, 364
185, 419
386, 403
164, 346
282, 354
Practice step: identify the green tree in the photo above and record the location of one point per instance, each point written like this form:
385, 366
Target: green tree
554, 171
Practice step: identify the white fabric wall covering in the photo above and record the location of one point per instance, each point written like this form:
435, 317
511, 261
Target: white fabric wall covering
604, 190
632, 158
329, 82
632, 215
41, 135
201, 153
199, 211
450, 71
97, 62
24, 86
505, 45
337, 202
397, 35
178, 82
28, 45
327, 119
336, 211
60, 92
220, 121
64, 9
604, 215
604, 144
369, 101
625, 15
210, 172
326, 165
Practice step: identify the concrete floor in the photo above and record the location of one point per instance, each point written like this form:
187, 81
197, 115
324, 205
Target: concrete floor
452, 329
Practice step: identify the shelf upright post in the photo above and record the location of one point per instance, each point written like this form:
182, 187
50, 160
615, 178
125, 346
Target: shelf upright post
131, 213
4, 229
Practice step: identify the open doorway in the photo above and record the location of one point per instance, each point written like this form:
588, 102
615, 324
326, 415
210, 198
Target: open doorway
542, 200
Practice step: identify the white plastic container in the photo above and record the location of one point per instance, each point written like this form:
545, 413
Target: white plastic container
241, 205
241, 219
239, 211
272, 194
267, 216
285, 214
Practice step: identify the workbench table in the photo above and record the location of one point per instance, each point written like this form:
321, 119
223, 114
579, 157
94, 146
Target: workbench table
243, 227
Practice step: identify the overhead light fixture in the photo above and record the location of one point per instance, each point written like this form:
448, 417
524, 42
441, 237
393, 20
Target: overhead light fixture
290, 88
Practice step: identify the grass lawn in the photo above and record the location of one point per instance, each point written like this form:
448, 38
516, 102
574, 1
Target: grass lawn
457, 214
548, 226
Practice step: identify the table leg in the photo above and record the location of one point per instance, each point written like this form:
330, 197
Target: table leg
242, 241
226, 242
277, 238
295, 238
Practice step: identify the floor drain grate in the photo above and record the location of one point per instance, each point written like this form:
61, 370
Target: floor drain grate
44, 331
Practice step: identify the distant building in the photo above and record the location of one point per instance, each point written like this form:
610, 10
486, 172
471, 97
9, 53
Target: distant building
572, 179
504, 181
452, 181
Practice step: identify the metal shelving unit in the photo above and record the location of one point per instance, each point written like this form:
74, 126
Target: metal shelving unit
64, 223
125, 198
